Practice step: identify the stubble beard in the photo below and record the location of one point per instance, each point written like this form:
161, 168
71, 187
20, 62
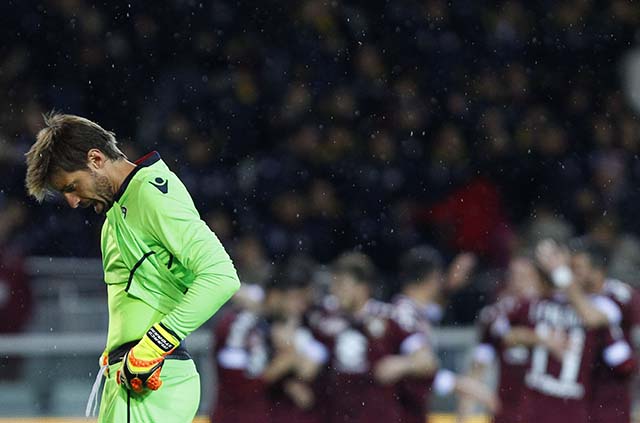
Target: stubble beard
104, 192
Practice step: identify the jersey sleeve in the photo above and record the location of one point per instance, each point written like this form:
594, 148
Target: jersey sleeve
634, 308
485, 352
608, 307
173, 221
617, 353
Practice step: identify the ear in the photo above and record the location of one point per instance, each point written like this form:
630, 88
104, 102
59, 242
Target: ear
95, 159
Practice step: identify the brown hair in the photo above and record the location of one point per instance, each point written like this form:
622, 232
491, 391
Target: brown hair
356, 264
63, 144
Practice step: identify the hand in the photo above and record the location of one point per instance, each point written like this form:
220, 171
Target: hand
300, 394
390, 369
479, 392
142, 364
552, 256
283, 335
459, 271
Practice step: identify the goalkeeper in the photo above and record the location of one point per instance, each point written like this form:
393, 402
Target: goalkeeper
165, 270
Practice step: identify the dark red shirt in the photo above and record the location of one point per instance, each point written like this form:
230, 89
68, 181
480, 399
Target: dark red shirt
512, 362
241, 353
282, 407
413, 393
356, 344
611, 392
558, 390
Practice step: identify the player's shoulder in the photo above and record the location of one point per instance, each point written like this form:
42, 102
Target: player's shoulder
156, 181
503, 306
379, 309
608, 306
619, 291
156, 190
406, 314
324, 319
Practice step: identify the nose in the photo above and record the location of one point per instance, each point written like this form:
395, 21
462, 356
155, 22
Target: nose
72, 199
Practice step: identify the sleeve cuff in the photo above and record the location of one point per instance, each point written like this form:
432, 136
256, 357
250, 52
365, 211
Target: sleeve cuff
484, 354
444, 382
617, 353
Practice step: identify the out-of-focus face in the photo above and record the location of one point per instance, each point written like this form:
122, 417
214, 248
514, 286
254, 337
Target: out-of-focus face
84, 188
523, 279
273, 305
345, 288
296, 301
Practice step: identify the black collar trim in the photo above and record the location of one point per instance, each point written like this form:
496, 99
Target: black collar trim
144, 161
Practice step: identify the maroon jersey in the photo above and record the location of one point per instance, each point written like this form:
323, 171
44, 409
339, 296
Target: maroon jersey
413, 393
282, 407
557, 390
611, 397
241, 357
512, 361
356, 344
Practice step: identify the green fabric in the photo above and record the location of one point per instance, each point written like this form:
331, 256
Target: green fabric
176, 401
147, 230
122, 328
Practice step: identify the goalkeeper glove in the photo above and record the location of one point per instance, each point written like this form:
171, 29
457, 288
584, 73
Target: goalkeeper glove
142, 364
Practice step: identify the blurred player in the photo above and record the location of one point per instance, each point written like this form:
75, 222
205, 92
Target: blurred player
359, 337
559, 385
523, 282
241, 355
267, 361
584, 270
296, 357
375, 359
422, 278
165, 270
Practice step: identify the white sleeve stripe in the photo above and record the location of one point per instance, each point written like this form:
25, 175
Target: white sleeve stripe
484, 354
617, 353
233, 358
413, 343
607, 307
444, 382
315, 352
500, 327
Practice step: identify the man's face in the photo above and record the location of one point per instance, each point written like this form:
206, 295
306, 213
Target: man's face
84, 188
522, 278
343, 287
296, 301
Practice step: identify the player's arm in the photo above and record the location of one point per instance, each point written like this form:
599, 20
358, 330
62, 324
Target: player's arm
416, 359
555, 260
312, 355
173, 221
484, 355
595, 312
617, 353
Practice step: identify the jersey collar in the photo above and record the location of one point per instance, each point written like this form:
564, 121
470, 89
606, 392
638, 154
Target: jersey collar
144, 161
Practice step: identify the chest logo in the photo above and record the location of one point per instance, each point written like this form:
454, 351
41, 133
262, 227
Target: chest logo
161, 184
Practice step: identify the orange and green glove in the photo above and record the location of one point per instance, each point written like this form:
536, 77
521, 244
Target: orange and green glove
141, 366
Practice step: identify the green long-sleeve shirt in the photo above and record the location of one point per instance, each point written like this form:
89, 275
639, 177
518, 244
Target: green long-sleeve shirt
161, 261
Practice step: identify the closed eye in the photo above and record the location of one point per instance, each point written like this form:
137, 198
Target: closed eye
68, 189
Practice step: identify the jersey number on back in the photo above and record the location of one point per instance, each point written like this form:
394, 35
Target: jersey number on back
565, 385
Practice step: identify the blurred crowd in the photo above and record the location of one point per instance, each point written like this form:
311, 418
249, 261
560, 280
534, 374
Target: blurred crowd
321, 126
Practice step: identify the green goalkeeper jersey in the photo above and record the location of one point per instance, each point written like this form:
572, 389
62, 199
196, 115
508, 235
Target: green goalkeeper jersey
161, 261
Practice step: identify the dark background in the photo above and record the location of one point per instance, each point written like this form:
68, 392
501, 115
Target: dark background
318, 126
